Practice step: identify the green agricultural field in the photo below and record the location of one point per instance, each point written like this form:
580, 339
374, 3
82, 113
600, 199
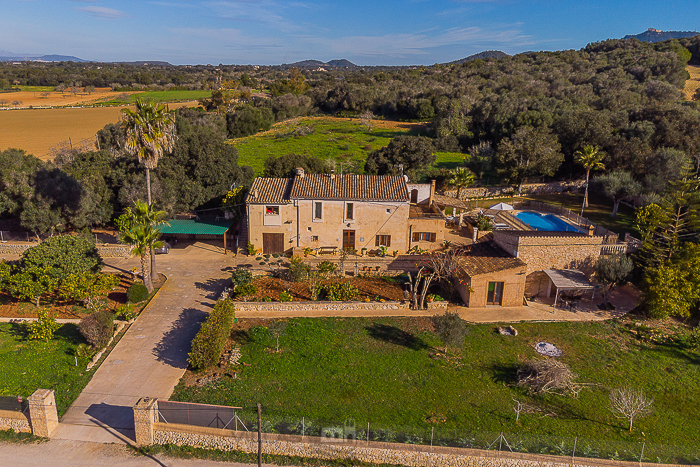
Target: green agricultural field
162, 96
26, 365
391, 374
343, 140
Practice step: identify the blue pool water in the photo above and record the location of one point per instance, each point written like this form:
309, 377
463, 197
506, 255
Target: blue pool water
548, 222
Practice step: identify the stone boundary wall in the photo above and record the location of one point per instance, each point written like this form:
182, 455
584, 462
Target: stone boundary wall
528, 188
16, 421
372, 452
105, 250
322, 306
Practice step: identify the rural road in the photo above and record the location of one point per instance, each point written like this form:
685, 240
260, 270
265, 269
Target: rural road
151, 357
68, 453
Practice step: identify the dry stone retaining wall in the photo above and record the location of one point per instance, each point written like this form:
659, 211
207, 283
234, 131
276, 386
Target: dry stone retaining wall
321, 306
528, 188
105, 251
16, 421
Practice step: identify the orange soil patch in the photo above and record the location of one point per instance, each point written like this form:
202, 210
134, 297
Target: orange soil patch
37, 131
40, 98
693, 84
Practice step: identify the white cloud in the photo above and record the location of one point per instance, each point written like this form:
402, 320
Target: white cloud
103, 12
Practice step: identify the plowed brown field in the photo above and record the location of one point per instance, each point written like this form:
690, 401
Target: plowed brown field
693, 84
37, 131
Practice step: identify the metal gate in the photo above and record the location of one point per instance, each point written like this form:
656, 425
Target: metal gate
213, 416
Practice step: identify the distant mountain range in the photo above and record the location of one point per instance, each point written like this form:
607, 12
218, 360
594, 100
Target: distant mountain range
654, 35
313, 64
480, 55
6, 56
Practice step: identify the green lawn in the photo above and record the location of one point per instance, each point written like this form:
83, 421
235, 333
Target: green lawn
346, 141
381, 371
163, 96
26, 365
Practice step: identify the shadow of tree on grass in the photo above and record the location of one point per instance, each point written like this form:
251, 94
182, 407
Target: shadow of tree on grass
396, 336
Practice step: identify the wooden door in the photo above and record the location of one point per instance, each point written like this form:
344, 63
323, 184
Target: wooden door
273, 243
495, 295
348, 239
414, 196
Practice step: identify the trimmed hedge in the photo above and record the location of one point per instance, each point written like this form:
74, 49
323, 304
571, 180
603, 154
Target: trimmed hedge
209, 341
137, 293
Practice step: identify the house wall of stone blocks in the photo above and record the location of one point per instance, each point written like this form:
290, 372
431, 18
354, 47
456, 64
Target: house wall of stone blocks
513, 287
552, 251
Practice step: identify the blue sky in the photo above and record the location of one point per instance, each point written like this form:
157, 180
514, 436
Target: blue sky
379, 32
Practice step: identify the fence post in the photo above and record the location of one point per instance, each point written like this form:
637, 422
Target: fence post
43, 415
432, 434
145, 415
367, 432
642, 454
574, 451
259, 436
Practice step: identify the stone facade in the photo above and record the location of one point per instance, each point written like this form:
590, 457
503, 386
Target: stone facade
528, 188
474, 290
43, 413
15, 421
429, 225
551, 251
359, 451
419, 192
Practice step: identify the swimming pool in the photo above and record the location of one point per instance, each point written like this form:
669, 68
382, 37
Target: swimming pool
547, 222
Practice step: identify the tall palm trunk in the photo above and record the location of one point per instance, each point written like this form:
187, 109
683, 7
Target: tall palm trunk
585, 195
144, 271
148, 184
154, 272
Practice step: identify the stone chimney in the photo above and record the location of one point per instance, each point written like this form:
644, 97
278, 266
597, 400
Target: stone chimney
591, 230
300, 172
432, 192
332, 174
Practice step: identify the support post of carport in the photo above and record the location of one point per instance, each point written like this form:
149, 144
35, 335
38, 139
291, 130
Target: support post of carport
225, 241
556, 297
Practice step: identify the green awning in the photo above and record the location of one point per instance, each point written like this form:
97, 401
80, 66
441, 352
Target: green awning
192, 227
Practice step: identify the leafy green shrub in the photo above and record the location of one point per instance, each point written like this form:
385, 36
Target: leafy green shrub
450, 328
286, 297
341, 292
125, 312
435, 298
251, 249
65, 254
483, 223
209, 341
241, 277
298, 271
97, 328
43, 328
246, 290
137, 293
327, 267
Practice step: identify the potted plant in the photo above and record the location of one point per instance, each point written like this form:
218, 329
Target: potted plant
307, 251
382, 251
395, 253
364, 251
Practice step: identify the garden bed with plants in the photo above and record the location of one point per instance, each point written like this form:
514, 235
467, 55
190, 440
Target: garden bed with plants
368, 287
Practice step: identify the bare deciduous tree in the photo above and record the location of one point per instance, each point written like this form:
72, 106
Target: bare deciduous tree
277, 328
417, 293
446, 266
366, 119
548, 377
630, 404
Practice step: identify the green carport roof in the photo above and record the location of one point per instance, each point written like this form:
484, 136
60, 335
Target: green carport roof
192, 227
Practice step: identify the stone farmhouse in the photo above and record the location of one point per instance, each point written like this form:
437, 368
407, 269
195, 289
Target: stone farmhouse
330, 212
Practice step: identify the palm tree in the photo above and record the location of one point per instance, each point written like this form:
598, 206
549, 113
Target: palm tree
461, 178
590, 158
142, 238
145, 214
150, 132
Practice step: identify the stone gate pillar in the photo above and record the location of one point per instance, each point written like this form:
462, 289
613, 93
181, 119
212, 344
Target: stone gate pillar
43, 415
145, 415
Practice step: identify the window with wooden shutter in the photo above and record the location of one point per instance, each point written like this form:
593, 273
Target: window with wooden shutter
383, 240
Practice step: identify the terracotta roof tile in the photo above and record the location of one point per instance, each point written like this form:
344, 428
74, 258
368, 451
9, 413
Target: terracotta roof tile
270, 190
487, 257
350, 187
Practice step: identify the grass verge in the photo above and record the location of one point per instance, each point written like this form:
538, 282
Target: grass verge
11, 436
161, 96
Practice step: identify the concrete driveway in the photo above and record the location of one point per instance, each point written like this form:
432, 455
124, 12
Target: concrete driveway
151, 357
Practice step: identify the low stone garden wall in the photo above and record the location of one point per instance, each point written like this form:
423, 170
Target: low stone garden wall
105, 250
331, 306
17, 421
528, 189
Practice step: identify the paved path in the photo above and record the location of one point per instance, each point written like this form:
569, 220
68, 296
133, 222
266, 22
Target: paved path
69, 453
151, 357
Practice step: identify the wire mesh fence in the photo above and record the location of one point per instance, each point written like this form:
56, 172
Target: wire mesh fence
13, 403
16, 236
362, 430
